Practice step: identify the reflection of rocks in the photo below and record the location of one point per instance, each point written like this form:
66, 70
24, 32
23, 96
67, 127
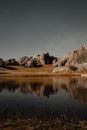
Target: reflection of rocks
38, 88
11, 86
77, 88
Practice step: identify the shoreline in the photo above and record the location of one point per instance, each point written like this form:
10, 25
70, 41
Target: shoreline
27, 74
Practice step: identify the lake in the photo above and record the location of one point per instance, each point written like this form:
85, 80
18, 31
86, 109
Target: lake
45, 98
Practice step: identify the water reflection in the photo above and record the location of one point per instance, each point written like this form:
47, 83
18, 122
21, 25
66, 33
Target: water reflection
43, 97
75, 87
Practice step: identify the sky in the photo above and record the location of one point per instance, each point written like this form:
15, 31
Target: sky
32, 27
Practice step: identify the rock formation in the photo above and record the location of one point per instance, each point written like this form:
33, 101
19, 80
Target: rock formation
23, 60
33, 63
2, 63
11, 62
36, 61
78, 56
76, 60
46, 58
60, 62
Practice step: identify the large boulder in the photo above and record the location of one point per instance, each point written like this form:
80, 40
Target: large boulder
2, 63
11, 62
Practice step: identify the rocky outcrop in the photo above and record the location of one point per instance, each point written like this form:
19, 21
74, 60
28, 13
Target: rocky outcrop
24, 60
59, 64
76, 60
46, 58
11, 62
33, 63
78, 56
30, 62
36, 61
2, 63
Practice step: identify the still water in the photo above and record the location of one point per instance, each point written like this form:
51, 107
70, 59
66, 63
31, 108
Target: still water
44, 98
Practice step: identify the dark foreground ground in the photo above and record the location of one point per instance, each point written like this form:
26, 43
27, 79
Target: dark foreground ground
38, 124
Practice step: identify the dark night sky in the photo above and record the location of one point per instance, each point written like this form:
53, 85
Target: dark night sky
31, 27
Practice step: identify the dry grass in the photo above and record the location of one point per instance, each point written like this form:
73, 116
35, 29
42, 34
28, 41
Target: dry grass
46, 70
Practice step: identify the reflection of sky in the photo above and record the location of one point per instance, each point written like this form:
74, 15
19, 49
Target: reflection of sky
33, 27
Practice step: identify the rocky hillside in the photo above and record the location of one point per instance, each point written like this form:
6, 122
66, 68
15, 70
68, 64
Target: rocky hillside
30, 62
36, 61
76, 60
